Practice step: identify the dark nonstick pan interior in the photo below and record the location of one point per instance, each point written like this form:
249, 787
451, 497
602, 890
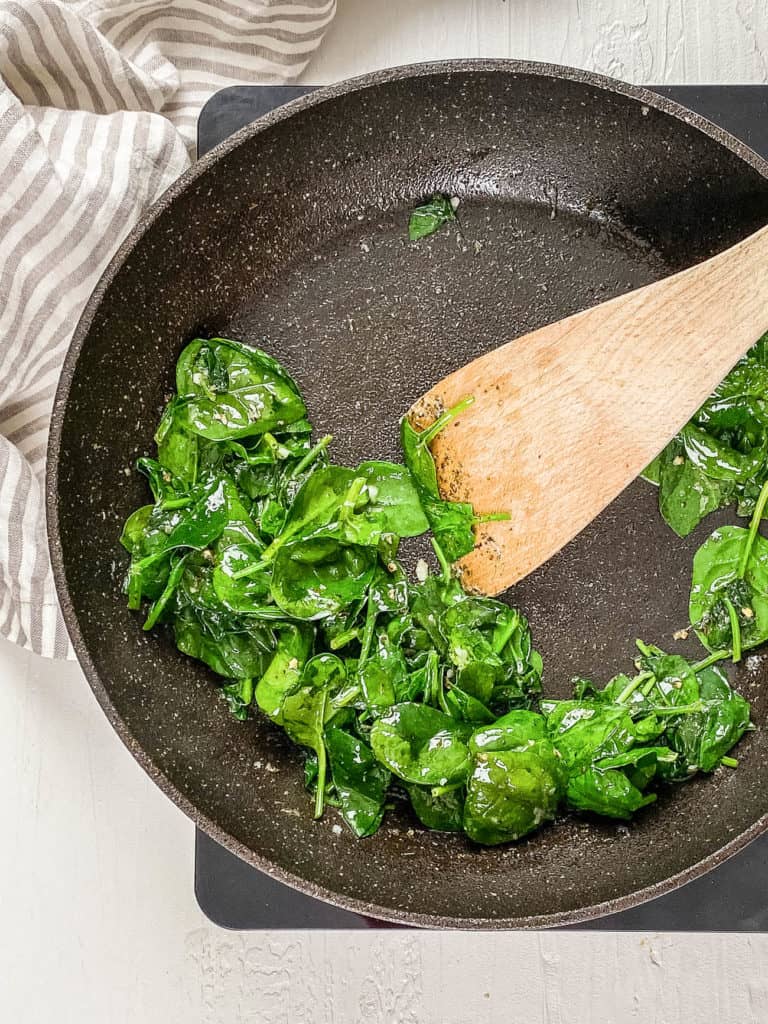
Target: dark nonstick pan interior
293, 236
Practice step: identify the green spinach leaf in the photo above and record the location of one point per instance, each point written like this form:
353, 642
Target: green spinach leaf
430, 216
421, 745
230, 390
316, 578
443, 811
512, 792
361, 782
729, 592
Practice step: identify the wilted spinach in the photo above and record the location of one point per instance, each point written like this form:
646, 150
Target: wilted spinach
721, 456
430, 216
729, 592
280, 572
361, 782
452, 523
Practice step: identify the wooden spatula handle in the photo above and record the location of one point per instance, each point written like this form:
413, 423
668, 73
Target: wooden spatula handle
567, 416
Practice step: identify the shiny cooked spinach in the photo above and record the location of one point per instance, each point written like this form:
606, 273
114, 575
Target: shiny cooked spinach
720, 458
430, 216
280, 572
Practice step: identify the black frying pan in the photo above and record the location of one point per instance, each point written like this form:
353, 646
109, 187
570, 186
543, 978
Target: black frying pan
293, 235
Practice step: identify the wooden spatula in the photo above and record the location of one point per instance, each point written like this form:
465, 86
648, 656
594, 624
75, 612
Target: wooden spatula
566, 417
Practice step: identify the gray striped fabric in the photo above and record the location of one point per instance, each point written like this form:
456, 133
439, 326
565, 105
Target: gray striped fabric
98, 105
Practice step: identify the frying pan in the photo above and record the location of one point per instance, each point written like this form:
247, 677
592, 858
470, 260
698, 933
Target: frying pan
292, 235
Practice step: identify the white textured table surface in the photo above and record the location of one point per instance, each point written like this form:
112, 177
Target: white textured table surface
97, 917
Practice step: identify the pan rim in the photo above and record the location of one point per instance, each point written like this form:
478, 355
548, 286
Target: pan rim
217, 832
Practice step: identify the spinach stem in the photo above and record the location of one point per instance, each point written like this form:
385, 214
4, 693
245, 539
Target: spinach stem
344, 638
432, 686
350, 499
735, 629
136, 572
445, 565
170, 586
251, 570
172, 503
346, 697
268, 612
754, 525
442, 790
426, 437
371, 613
321, 760
246, 690
148, 560
442, 701
320, 791
493, 517
647, 687
678, 709
501, 640
716, 656
730, 762
312, 454
632, 685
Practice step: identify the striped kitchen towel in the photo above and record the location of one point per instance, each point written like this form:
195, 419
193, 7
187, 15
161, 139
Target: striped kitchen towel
98, 105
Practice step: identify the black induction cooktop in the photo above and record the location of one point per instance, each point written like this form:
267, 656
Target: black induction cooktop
732, 897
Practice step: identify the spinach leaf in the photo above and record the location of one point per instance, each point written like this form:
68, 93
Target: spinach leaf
721, 455
283, 672
686, 493
443, 811
430, 216
392, 499
239, 652
177, 449
354, 506
421, 745
428, 601
512, 792
153, 537
583, 731
729, 592
238, 696
389, 590
451, 522
306, 707
315, 578
703, 738
230, 390
204, 520
478, 667
162, 602
609, 793
383, 677
489, 643
303, 718
164, 485
462, 705
674, 680
717, 459
245, 594
135, 529
516, 730
316, 504
361, 782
